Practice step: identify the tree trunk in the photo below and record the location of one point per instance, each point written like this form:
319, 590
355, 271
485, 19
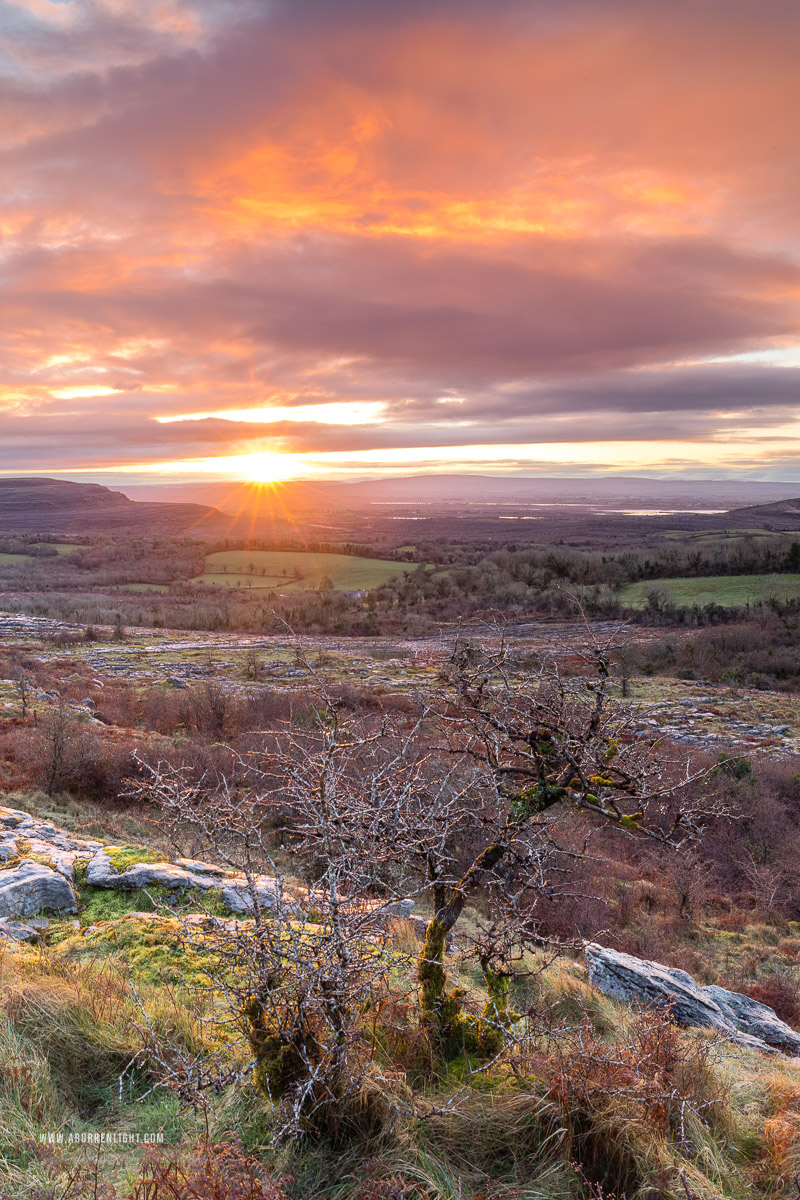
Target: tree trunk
441, 1010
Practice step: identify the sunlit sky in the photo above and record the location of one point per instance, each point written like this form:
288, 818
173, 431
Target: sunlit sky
271, 239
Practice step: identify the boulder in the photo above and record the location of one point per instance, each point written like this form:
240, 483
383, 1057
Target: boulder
31, 887
18, 931
238, 898
101, 873
737, 1017
755, 1018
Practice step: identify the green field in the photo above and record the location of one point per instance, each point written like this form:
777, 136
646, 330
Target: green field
291, 570
720, 535
733, 590
144, 587
11, 560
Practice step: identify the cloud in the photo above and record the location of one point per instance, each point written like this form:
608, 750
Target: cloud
551, 212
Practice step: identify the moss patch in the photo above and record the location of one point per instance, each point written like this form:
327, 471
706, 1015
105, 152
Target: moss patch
24, 855
122, 857
44, 859
154, 948
105, 904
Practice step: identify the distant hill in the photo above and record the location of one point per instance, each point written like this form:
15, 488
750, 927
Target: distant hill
52, 495
783, 514
58, 506
244, 510
612, 491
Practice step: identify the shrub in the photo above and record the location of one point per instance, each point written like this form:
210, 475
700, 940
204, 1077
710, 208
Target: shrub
205, 1172
620, 1099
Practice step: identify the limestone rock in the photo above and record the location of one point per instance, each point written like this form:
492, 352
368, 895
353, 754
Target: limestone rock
31, 887
26, 838
101, 873
756, 1018
238, 898
42, 839
10, 818
737, 1017
625, 977
194, 864
18, 931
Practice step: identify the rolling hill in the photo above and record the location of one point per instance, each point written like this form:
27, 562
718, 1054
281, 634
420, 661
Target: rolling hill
59, 506
781, 514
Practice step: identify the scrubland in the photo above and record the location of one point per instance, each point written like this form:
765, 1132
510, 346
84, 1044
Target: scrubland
590, 1097
540, 1086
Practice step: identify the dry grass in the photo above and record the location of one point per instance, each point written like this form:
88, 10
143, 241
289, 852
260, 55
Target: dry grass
645, 1109
640, 1105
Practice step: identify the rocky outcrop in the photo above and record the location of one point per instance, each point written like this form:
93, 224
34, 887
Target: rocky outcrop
40, 873
755, 1018
23, 836
31, 887
101, 872
188, 874
737, 1017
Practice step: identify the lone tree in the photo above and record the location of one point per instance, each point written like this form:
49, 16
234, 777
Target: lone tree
545, 745
471, 798
24, 683
56, 743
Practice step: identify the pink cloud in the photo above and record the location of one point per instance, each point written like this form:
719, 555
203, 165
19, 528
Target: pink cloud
208, 204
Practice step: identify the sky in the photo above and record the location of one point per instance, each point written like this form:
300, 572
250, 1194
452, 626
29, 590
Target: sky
269, 239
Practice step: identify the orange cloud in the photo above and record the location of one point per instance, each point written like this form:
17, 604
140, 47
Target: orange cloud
213, 207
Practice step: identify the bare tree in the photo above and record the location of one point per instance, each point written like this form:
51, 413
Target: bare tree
298, 975
545, 747
56, 732
625, 658
468, 801
23, 682
253, 665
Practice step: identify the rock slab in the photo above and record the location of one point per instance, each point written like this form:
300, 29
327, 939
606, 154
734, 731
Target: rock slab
40, 873
32, 888
101, 873
736, 1016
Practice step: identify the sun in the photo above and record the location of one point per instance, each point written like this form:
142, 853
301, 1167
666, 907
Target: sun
265, 466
